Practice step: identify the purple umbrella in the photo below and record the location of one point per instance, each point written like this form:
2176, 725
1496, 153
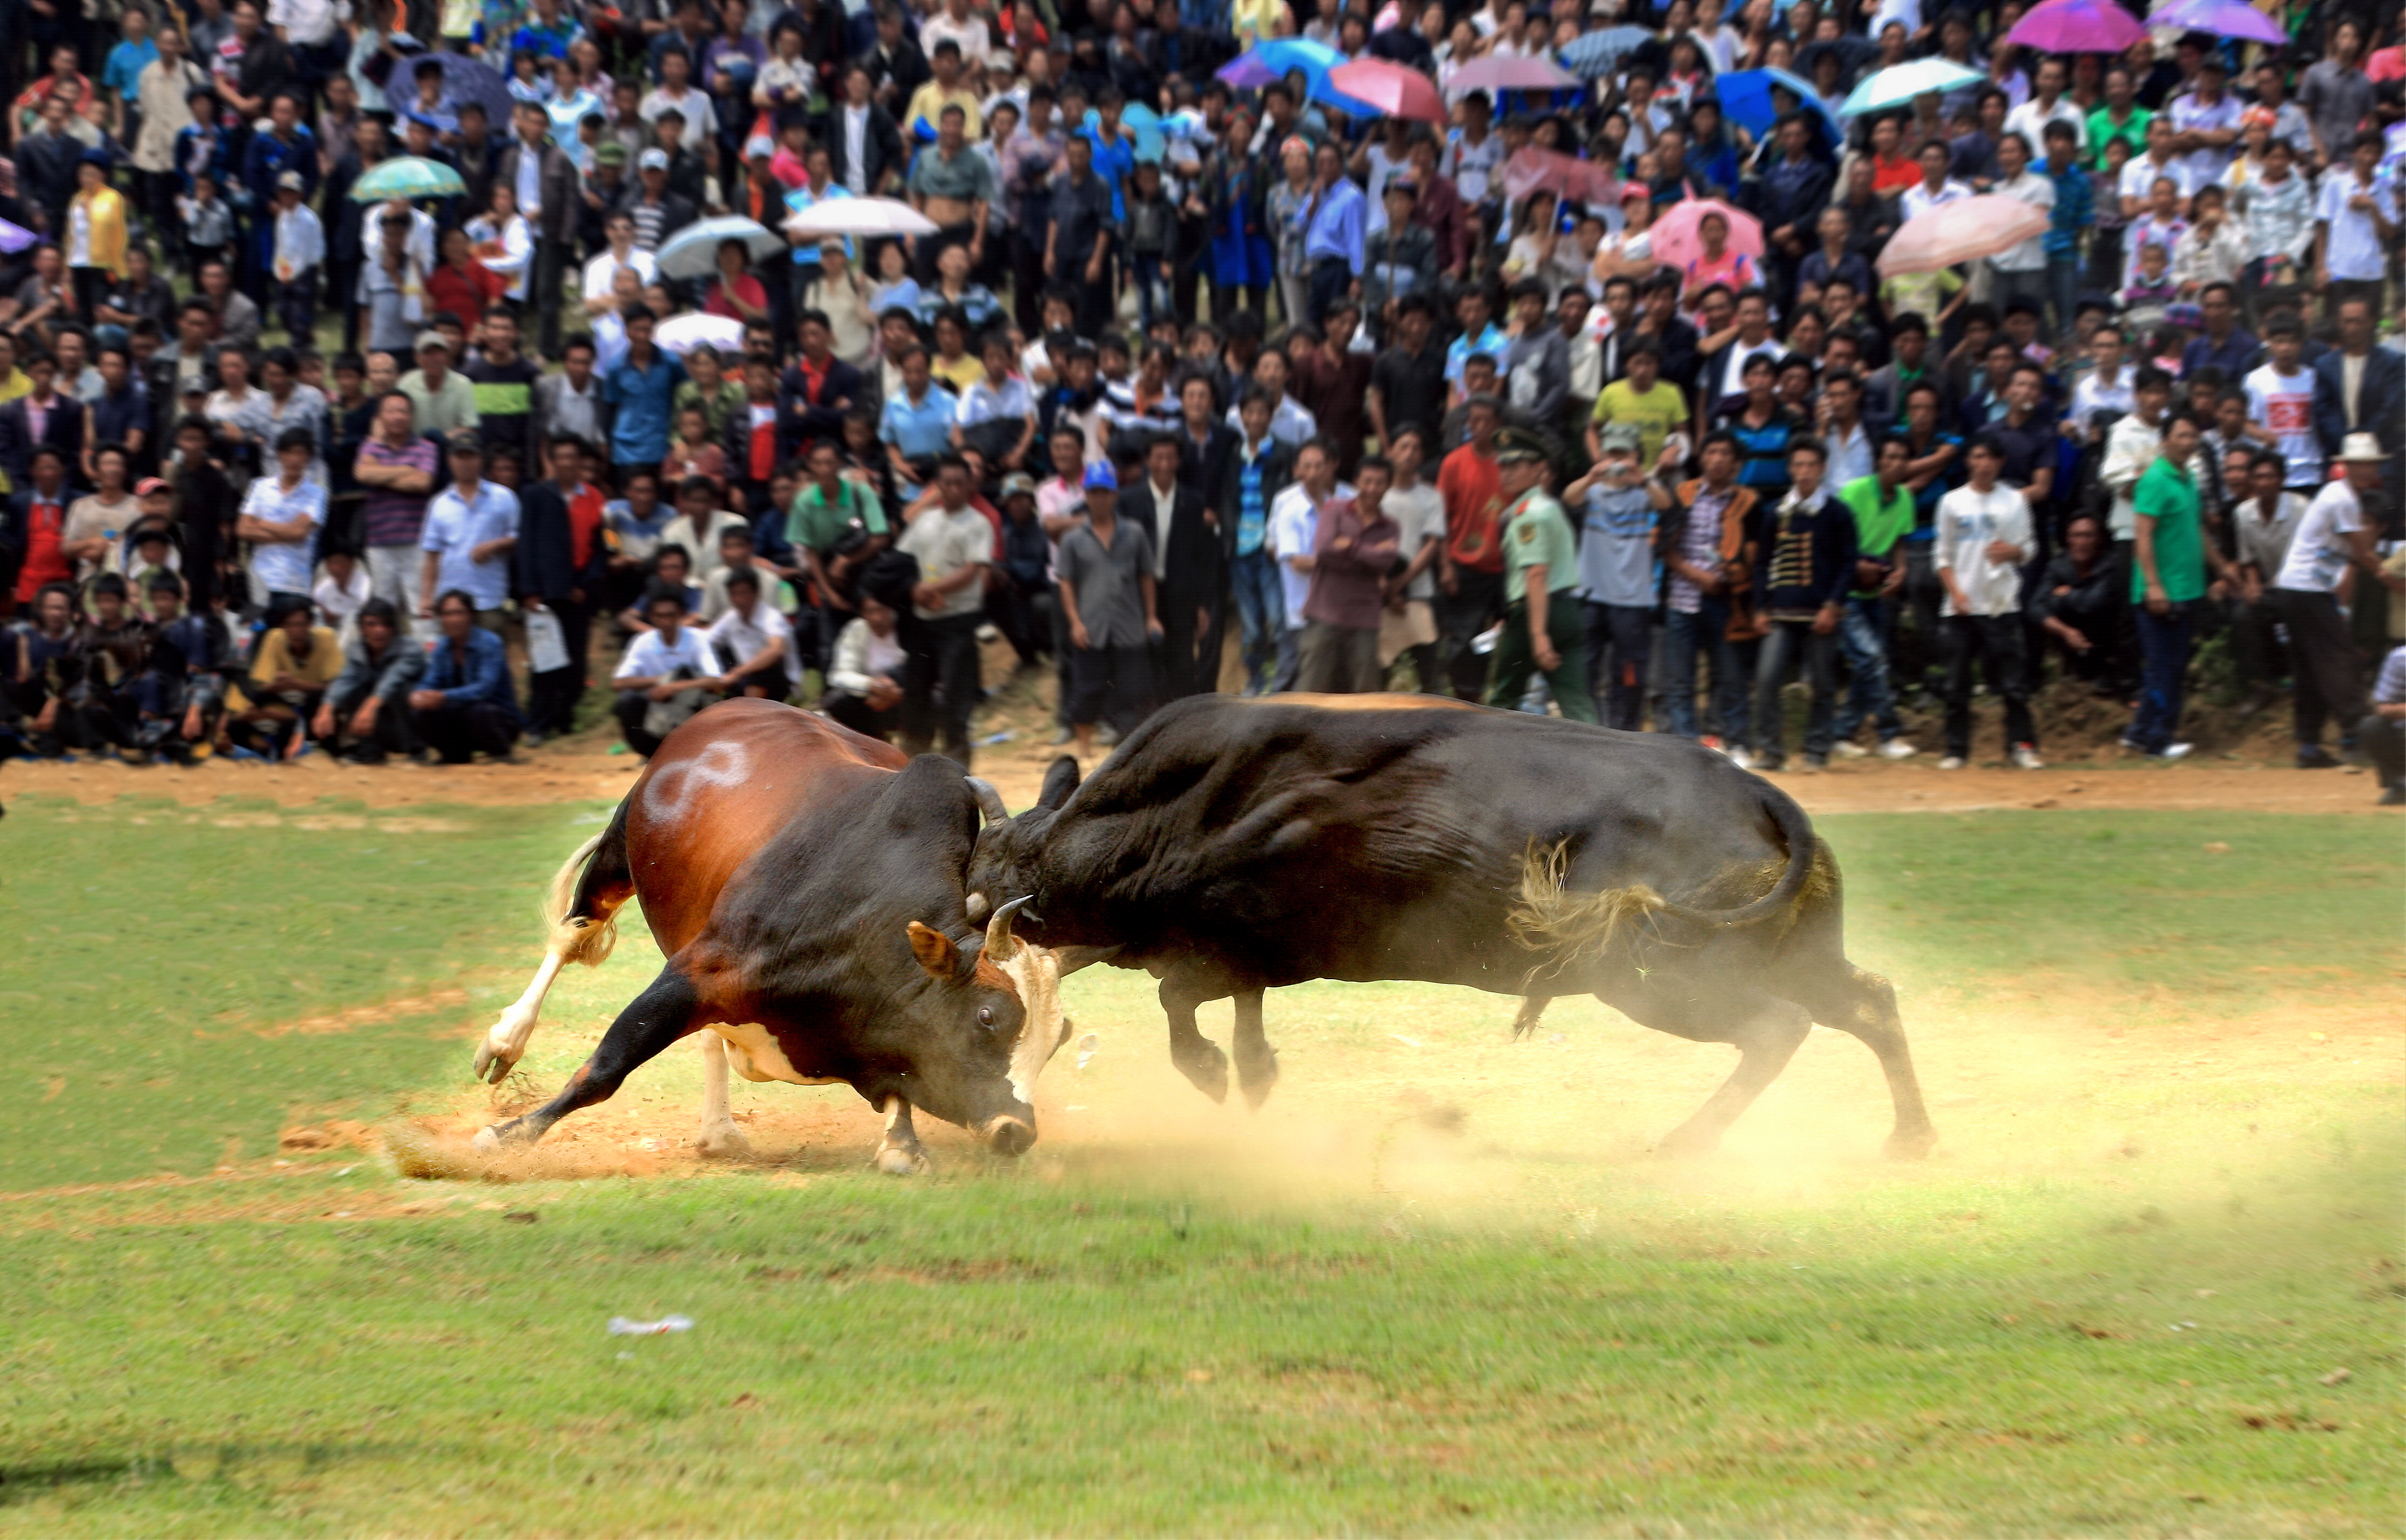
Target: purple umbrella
2222, 19
14, 238
2078, 26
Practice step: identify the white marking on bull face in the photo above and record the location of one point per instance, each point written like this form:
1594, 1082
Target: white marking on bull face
757, 1056
1036, 972
722, 764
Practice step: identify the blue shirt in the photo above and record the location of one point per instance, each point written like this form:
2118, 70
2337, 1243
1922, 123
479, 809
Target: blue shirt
482, 674
1492, 342
123, 72
456, 525
269, 157
643, 397
1253, 507
2075, 208
1333, 224
925, 429
1114, 163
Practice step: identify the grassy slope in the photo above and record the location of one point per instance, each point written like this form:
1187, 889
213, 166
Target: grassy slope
1581, 1341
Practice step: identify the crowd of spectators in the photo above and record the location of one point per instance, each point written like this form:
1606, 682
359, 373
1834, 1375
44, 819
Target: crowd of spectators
1187, 371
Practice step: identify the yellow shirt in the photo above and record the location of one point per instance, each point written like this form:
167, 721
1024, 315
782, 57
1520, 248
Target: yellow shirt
1654, 414
929, 101
960, 374
1254, 20
274, 656
18, 384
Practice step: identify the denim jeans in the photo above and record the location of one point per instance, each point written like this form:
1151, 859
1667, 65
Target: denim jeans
2164, 643
1625, 631
1794, 640
2063, 289
1684, 635
1862, 640
1152, 289
1261, 612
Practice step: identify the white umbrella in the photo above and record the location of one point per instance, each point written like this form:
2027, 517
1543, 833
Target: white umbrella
860, 217
682, 333
693, 251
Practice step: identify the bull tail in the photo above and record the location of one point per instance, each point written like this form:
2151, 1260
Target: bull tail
1565, 926
576, 933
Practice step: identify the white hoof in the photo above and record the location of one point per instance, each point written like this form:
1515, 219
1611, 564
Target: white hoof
894, 1161
726, 1143
488, 1139
495, 1059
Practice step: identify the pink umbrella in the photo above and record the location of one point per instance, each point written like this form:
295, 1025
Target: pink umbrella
1677, 242
1956, 232
1511, 74
2222, 19
2078, 26
1394, 91
1531, 168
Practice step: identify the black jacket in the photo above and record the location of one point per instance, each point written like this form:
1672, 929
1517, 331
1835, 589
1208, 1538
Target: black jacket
64, 429
563, 198
1200, 466
1278, 470
544, 565
881, 146
46, 172
1193, 566
2380, 400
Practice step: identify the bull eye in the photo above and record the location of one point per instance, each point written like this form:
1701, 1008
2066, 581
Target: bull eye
985, 1015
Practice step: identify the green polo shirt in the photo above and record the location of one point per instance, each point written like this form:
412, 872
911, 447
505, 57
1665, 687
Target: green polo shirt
1538, 533
2167, 494
818, 525
2101, 128
1877, 528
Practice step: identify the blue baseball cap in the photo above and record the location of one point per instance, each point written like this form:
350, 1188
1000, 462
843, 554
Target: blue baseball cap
1101, 475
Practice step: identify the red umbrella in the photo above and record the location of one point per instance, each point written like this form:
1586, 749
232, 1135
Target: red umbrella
1394, 90
1531, 169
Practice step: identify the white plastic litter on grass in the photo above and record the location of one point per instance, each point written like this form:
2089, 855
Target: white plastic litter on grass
623, 1326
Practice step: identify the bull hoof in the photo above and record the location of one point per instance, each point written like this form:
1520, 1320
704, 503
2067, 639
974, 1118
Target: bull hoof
1258, 1076
722, 1144
493, 1065
1207, 1067
1911, 1143
1687, 1143
896, 1161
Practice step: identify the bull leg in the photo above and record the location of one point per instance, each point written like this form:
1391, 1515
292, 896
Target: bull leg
1765, 1029
899, 1154
1868, 1010
661, 1014
1532, 1006
1196, 1057
718, 1138
580, 933
1257, 1060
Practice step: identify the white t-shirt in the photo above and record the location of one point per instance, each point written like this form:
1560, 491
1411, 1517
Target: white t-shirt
650, 657
737, 636
2286, 404
1295, 525
1420, 518
603, 270
2318, 552
285, 567
1967, 521
2139, 178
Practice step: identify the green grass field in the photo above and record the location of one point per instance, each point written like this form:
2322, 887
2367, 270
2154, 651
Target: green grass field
1438, 1285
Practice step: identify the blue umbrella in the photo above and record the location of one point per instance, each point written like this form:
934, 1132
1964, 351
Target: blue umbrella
1271, 60
466, 80
1746, 99
1595, 53
1898, 84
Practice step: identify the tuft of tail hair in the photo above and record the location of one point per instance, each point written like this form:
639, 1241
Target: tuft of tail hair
583, 938
1564, 926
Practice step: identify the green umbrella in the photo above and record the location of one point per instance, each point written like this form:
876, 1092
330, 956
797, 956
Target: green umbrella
408, 177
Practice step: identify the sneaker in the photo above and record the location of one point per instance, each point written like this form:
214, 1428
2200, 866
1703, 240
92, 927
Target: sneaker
2131, 743
1816, 762
1851, 751
2394, 794
1953, 761
1739, 758
1897, 748
2315, 756
2176, 751
1771, 766
2026, 758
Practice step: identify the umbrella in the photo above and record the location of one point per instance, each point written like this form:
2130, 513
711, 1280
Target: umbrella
860, 217
1270, 61
1394, 91
1900, 84
15, 237
1675, 237
1959, 231
466, 80
2222, 19
693, 251
1531, 169
1597, 52
1746, 99
1492, 75
407, 176
682, 333
1141, 124
2078, 26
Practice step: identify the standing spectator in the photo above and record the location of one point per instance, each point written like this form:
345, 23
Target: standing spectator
2383, 731
1883, 507
1293, 535
1804, 563
2281, 403
396, 468
281, 515
1641, 400
2337, 94
1623, 506
1353, 550
1330, 224
1078, 237
2262, 527
444, 401
2361, 389
465, 702
2331, 537
1470, 572
1543, 627
365, 714
640, 388
560, 562
470, 530
954, 545
2167, 581
297, 250
1257, 472
2355, 225
569, 405
543, 179
1984, 539
1108, 599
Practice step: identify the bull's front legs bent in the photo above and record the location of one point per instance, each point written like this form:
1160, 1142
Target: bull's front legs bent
653, 1020
1196, 1057
898, 1154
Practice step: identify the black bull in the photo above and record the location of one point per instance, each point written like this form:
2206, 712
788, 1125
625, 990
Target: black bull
1231, 846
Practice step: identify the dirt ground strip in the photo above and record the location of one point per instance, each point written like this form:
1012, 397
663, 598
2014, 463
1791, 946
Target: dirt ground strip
582, 770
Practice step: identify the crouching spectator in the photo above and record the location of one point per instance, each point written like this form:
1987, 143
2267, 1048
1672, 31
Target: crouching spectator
296, 661
2081, 606
668, 674
756, 643
864, 683
365, 714
464, 701
179, 699
45, 662
2382, 734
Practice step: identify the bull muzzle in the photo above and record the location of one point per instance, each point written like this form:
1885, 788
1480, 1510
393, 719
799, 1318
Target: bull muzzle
1008, 1135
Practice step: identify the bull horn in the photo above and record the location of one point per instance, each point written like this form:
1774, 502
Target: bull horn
998, 944
989, 800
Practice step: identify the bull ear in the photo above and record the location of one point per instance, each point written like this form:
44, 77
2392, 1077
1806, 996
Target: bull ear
936, 953
1060, 781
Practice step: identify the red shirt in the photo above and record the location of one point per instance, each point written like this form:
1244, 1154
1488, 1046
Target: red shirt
45, 522
1473, 490
464, 294
584, 523
747, 288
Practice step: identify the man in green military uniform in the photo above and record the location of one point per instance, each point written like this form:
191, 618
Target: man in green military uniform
1543, 629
